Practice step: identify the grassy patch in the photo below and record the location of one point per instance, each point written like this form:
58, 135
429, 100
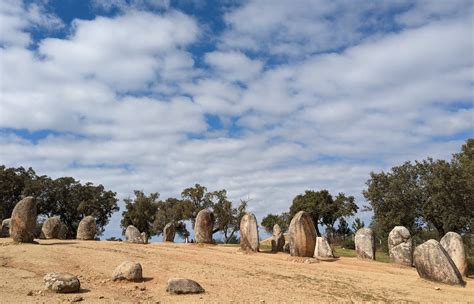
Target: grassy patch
343, 252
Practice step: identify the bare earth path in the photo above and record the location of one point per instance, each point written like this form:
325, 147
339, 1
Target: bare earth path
226, 274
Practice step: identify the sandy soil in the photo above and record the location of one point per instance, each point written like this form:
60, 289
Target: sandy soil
225, 273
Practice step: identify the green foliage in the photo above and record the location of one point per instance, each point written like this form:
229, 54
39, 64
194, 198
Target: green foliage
425, 194
271, 219
348, 244
64, 196
199, 199
323, 209
140, 212
357, 224
175, 211
227, 218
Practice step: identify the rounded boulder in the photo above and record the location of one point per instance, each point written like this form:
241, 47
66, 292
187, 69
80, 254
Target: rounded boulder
249, 240
400, 246
204, 226
23, 221
302, 235
51, 228
454, 246
62, 282
130, 271
87, 228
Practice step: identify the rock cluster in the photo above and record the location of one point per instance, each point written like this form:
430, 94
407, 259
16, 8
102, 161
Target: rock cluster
62, 282
249, 240
169, 232
302, 235
322, 249
278, 239
51, 228
5, 228
433, 263
133, 235
365, 243
130, 271
454, 246
400, 246
204, 226
23, 221
87, 228
183, 286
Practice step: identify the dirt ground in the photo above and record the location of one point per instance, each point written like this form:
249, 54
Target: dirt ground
227, 275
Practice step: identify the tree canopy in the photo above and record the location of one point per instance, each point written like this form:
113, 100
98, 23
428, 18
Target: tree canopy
64, 197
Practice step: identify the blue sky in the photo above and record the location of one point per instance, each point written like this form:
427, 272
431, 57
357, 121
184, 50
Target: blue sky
263, 98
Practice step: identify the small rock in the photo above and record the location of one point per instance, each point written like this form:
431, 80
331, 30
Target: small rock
101, 297
77, 299
143, 288
130, 271
183, 286
30, 293
62, 282
437, 288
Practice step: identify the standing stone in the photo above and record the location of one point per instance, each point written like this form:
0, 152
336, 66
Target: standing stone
130, 271
249, 240
454, 246
302, 235
51, 228
400, 246
322, 249
62, 232
132, 235
278, 239
86, 229
203, 227
169, 233
23, 221
365, 243
62, 282
144, 237
433, 263
5, 229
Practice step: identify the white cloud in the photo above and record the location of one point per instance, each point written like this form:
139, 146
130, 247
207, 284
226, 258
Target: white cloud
128, 102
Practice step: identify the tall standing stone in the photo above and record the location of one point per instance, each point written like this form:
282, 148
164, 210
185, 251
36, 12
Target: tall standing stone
204, 226
51, 228
433, 263
302, 235
169, 232
278, 239
23, 220
454, 246
365, 243
5, 229
322, 249
87, 228
400, 246
249, 240
133, 235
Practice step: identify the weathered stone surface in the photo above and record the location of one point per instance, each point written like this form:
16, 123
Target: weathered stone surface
5, 229
130, 271
433, 263
302, 235
23, 220
249, 239
365, 243
278, 239
62, 232
286, 247
51, 228
87, 228
400, 246
454, 246
62, 282
322, 249
203, 227
183, 286
169, 232
133, 235
144, 237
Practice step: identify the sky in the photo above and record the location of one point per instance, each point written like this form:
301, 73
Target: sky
265, 99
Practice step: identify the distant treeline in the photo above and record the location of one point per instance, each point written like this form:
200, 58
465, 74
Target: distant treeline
429, 197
